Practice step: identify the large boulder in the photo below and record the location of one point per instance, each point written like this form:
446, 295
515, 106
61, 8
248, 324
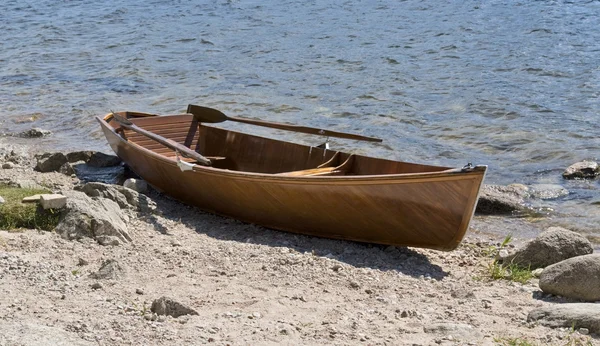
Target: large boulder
97, 218
100, 160
551, 246
50, 162
576, 278
77, 156
574, 315
502, 200
124, 197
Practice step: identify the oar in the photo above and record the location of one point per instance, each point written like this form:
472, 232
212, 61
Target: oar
183, 150
210, 115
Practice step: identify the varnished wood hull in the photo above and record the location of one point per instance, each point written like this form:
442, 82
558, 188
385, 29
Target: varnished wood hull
421, 209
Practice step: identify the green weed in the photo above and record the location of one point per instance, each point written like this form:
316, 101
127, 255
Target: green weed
15, 215
506, 271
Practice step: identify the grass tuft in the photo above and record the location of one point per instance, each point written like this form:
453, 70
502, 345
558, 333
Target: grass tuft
506, 271
15, 215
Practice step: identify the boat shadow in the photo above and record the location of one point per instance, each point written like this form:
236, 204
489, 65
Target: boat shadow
361, 255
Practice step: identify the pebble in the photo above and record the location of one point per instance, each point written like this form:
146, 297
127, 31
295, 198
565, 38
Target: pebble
584, 331
139, 291
8, 165
96, 286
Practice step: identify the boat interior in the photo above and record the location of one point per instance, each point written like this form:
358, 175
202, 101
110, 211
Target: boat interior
237, 151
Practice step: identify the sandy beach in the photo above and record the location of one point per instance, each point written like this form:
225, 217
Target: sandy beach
253, 286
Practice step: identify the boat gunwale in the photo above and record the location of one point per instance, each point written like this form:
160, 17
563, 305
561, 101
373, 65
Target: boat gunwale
448, 174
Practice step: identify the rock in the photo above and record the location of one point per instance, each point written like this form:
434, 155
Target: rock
576, 278
501, 200
582, 170
461, 330
98, 159
77, 156
31, 199
551, 246
82, 262
53, 201
137, 185
167, 306
8, 165
95, 218
67, 169
124, 197
2, 200
573, 315
50, 162
96, 286
35, 132
139, 291
110, 269
548, 191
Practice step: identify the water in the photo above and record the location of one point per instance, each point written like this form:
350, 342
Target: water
514, 85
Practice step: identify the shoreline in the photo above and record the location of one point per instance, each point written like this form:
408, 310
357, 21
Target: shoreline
252, 285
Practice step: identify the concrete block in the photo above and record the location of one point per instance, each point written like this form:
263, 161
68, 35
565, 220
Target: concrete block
53, 201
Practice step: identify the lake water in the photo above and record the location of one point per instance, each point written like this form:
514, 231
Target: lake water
514, 85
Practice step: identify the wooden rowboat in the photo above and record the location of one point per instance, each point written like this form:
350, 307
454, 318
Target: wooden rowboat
293, 187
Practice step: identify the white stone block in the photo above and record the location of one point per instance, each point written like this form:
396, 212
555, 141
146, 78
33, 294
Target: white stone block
53, 201
31, 199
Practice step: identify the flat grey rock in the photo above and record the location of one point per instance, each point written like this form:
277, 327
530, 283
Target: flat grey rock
577, 315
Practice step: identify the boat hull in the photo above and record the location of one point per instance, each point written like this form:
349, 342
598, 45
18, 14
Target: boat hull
430, 210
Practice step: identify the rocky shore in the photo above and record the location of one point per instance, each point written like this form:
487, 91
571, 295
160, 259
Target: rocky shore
127, 265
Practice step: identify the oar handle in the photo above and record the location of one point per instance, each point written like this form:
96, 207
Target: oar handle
305, 129
183, 150
211, 115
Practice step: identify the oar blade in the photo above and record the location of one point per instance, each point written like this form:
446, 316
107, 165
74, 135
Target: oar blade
206, 115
